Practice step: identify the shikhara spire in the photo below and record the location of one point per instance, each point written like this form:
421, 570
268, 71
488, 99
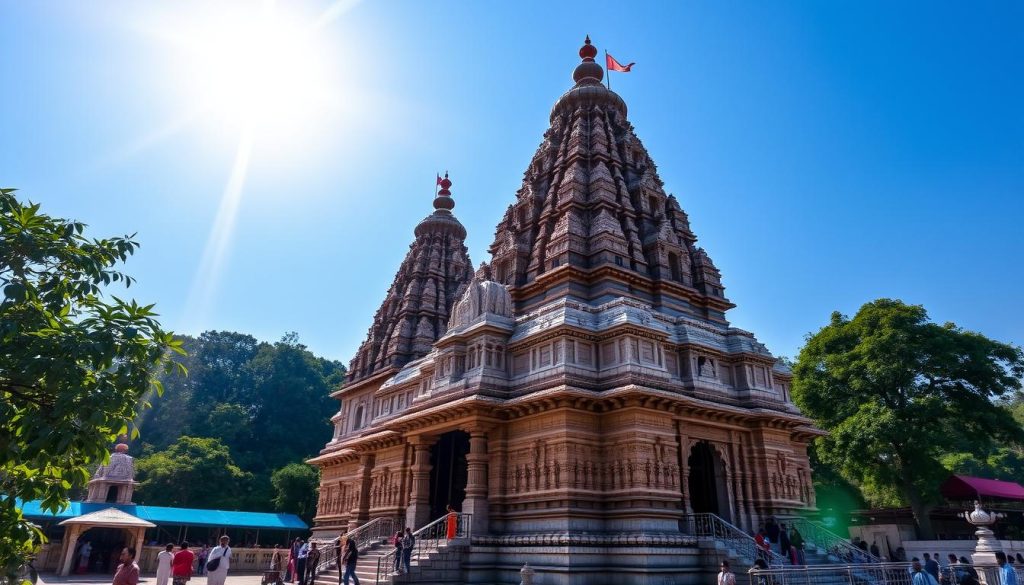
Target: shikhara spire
418, 304
592, 219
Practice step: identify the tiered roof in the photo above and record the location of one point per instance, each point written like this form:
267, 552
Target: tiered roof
418, 305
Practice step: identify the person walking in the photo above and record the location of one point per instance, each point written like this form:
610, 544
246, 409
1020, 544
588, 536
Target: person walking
796, 546
453, 523
275, 564
396, 541
771, 530
919, 576
312, 561
931, 566
784, 543
1009, 576
219, 562
163, 564
408, 542
181, 565
725, 575
300, 563
292, 556
204, 553
128, 571
350, 559
84, 552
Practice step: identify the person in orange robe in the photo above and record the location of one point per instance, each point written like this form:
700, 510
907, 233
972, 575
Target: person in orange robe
453, 522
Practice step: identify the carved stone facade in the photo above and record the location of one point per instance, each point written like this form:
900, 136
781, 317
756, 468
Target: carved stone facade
588, 392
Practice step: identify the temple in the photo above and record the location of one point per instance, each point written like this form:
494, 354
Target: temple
584, 395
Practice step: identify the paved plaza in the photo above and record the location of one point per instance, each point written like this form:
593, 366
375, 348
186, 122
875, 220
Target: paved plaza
147, 579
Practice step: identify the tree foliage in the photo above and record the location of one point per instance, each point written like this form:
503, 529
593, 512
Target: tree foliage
897, 393
74, 363
194, 472
295, 488
268, 403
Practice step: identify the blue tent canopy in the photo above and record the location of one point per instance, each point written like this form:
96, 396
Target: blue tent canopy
175, 516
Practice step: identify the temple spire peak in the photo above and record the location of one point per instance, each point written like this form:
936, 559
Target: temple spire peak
443, 200
588, 72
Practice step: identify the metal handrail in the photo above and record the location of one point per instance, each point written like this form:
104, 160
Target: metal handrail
844, 574
713, 526
375, 529
429, 539
832, 543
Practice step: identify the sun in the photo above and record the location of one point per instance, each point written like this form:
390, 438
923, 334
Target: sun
255, 68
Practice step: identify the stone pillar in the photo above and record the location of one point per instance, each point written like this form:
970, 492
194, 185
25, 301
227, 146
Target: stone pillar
140, 540
70, 544
418, 513
361, 514
476, 484
684, 467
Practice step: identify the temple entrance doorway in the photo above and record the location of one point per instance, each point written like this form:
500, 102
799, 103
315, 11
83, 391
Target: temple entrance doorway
707, 484
449, 472
104, 550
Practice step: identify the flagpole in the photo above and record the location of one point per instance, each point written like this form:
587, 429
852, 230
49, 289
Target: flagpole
609, 71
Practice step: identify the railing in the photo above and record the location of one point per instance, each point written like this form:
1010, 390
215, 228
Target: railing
966, 574
374, 530
429, 539
832, 544
849, 574
712, 526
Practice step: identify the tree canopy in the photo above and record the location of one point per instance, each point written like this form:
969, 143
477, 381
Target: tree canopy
268, 403
74, 363
194, 472
295, 488
898, 393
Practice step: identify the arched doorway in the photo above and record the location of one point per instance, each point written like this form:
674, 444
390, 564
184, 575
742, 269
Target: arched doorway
104, 546
449, 472
707, 483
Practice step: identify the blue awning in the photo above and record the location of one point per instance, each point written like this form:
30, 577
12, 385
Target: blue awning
175, 516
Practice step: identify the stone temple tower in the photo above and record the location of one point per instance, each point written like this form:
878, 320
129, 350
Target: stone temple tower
586, 394
114, 483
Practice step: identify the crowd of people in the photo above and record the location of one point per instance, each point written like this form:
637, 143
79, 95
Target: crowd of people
179, 566
790, 542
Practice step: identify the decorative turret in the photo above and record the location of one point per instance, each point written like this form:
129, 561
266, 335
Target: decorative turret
592, 203
483, 296
417, 307
114, 482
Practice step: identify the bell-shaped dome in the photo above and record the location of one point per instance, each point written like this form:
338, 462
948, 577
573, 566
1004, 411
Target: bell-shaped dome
482, 296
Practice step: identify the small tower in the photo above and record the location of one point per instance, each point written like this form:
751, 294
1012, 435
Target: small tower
114, 482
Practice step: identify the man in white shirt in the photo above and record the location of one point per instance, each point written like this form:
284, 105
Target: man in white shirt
163, 564
726, 576
222, 554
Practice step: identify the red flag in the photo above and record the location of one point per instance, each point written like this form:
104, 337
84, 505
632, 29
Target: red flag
439, 179
614, 65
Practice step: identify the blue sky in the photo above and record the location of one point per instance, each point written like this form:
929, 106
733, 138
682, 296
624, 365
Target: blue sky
828, 153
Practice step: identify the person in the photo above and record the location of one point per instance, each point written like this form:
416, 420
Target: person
408, 542
971, 575
181, 565
292, 556
84, 552
726, 576
875, 551
221, 557
1009, 576
771, 530
760, 565
763, 545
918, 576
204, 554
396, 541
275, 563
784, 542
796, 546
128, 571
312, 560
350, 559
1020, 558
453, 522
300, 563
163, 564
931, 566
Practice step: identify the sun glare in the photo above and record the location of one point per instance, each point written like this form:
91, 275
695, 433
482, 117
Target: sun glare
256, 69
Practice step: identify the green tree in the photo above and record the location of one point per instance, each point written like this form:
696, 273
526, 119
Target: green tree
296, 486
897, 392
74, 364
194, 472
